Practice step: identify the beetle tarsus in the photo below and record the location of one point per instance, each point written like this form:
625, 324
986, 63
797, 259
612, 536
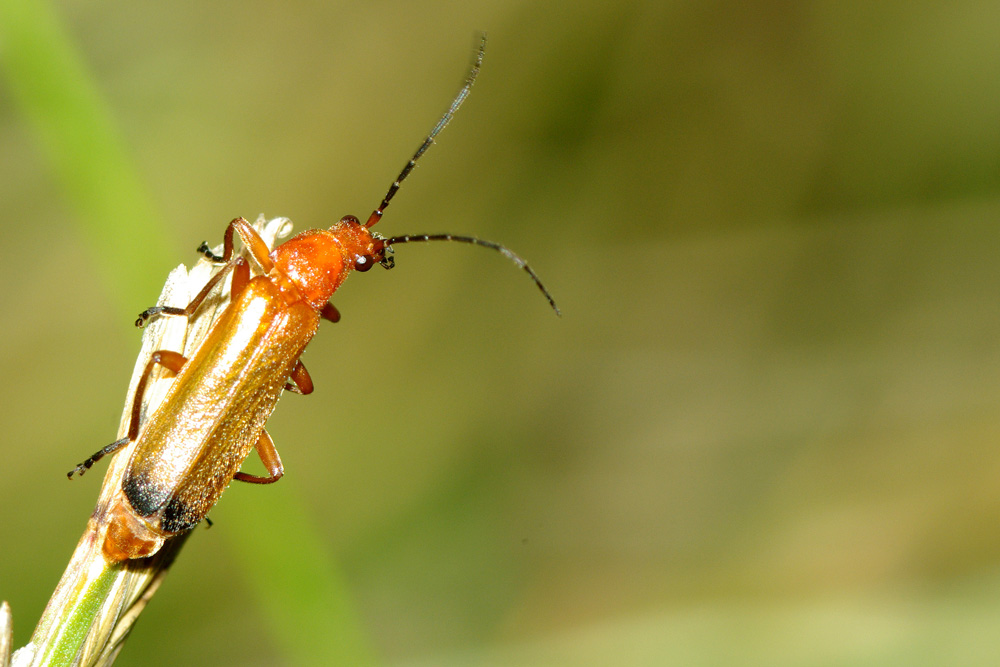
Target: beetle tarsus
98, 455
149, 313
207, 252
86, 465
145, 315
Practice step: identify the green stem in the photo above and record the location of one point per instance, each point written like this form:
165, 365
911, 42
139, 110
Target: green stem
76, 619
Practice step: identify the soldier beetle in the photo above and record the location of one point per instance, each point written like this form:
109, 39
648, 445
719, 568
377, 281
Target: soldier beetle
214, 413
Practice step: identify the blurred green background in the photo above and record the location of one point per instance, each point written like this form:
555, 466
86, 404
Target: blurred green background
764, 431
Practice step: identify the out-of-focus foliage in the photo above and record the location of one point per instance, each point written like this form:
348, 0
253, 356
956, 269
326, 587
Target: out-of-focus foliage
765, 430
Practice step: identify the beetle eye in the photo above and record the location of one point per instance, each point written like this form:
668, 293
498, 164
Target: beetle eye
363, 263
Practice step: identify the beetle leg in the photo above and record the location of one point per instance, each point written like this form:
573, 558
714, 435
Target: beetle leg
172, 361
269, 456
251, 239
252, 243
97, 456
241, 276
300, 381
254, 246
196, 301
211, 256
227, 240
330, 313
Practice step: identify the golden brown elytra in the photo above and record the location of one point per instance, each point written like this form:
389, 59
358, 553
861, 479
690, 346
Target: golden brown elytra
215, 411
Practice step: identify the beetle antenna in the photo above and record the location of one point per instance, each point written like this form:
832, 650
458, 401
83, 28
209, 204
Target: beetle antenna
445, 119
506, 252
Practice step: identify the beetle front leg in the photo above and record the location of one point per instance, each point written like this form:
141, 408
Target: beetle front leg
254, 246
190, 309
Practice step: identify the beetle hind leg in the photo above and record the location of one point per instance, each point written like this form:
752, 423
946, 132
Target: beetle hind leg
300, 381
98, 455
269, 456
173, 362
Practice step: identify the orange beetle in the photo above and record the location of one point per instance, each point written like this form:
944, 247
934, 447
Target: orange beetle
215, 411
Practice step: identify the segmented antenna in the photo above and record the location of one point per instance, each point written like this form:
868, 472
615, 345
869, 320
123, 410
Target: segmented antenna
506, 252
411, 238
445, 119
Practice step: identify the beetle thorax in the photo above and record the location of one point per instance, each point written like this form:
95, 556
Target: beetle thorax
312, 265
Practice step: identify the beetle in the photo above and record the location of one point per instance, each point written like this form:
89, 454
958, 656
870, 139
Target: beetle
215, 412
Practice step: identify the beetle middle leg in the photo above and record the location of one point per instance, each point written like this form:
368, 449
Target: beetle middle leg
269, 456
172, 361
